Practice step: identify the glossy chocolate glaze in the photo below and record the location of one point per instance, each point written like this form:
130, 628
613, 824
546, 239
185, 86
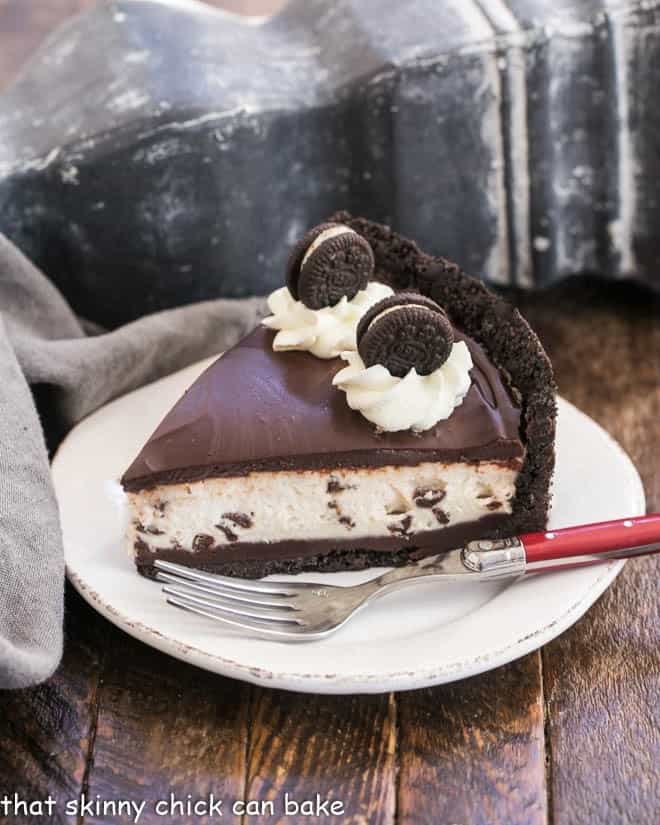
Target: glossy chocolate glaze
254, 409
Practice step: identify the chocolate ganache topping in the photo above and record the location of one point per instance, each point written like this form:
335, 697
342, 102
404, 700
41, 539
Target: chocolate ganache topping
256, 409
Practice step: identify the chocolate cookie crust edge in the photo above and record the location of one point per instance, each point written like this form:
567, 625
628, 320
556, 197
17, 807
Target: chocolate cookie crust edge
505, 335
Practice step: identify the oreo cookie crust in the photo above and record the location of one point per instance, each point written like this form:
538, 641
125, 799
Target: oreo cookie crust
504, 334
403, 332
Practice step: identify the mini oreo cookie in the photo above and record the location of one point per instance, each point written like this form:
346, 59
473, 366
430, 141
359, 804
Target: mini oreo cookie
330, 262
403, 332
298, 253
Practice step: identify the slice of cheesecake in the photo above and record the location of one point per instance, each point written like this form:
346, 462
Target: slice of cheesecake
263, 467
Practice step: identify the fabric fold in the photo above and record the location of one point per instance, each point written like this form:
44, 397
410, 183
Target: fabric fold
73, 368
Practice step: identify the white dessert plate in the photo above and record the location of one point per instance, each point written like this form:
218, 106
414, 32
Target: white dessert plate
426, 635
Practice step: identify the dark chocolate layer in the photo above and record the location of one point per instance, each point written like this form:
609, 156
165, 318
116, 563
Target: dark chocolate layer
255, 409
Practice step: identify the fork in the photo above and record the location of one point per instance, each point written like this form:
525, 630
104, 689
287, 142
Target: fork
304, 611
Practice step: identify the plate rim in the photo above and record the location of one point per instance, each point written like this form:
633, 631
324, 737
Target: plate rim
332, 683
368, 683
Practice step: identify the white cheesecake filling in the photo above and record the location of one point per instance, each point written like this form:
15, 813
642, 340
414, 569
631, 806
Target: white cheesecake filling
267, 507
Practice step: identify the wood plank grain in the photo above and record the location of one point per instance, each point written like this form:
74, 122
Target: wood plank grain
472, 752
165, 727
602, 677
340, 747
45, 732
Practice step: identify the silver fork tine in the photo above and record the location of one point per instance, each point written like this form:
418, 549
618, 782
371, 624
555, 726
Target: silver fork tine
219, 590
312, 610
269, 616
248, 585
293, 632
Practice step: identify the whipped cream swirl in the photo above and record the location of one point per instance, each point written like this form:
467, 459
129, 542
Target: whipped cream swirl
326, 332
414, 402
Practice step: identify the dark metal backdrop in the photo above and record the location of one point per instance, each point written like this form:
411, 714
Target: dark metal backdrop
153, 153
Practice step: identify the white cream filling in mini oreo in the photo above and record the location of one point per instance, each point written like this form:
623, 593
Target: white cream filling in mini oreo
393, 309
326, 235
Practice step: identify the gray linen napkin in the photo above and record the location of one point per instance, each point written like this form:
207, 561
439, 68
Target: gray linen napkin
44, 346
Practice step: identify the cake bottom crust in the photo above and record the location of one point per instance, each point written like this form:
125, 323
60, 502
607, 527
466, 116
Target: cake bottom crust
292, 557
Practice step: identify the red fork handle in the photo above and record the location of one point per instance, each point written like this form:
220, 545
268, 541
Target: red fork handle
589, 543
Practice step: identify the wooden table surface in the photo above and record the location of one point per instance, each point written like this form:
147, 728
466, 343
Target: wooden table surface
568, 735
